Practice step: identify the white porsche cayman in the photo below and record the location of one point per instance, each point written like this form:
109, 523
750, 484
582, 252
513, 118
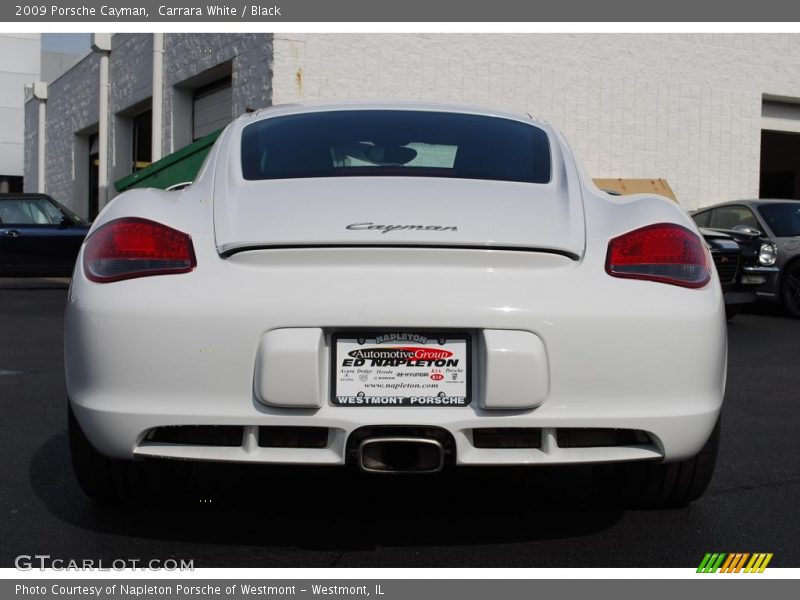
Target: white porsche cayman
401, 287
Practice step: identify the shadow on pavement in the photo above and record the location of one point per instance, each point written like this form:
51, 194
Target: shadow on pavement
335, 508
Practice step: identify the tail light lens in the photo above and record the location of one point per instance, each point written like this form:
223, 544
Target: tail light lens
133, 247
664, 252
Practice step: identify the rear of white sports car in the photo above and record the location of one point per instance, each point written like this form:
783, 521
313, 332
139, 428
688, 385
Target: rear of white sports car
400, 289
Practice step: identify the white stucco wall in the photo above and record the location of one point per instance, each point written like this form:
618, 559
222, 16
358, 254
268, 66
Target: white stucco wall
19, 65
685, 107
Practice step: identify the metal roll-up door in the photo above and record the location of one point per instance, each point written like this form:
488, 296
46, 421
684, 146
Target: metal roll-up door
212, 108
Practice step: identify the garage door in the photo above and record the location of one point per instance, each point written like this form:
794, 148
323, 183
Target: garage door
212, 109
780, 147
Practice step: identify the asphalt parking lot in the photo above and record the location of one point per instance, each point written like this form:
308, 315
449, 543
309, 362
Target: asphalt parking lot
546, 518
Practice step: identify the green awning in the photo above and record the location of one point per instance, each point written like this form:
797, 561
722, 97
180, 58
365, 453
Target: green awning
178, 167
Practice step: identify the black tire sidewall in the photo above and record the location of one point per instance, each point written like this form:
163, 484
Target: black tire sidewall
793, 270
93, 471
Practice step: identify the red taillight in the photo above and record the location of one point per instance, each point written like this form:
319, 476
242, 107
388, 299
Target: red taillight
664, 252
133, 247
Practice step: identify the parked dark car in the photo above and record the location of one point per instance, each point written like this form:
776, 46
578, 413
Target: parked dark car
38, 236
776, 224
736, 257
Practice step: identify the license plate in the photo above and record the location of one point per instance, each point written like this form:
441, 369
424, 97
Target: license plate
400, 369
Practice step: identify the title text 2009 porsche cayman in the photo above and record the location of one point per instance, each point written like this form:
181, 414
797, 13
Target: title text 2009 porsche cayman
401, 287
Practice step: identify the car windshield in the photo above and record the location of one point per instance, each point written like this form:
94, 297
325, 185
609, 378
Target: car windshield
29, 211
782, 217
395, 143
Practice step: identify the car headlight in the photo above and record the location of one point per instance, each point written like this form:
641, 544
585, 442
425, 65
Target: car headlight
767, 254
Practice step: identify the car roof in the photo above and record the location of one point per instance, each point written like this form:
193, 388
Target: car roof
750, 202
311, 107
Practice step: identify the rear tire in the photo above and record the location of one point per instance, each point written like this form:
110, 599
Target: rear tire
661, 485
109, 481
96, 474
790, 290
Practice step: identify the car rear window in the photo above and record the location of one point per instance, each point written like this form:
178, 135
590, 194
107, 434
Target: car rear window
395, 143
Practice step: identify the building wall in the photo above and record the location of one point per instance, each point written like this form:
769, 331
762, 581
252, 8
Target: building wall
72, 115
31, 150
19, 65
130, 71
73, 102
189, 55
685, 107
53, 65
56, 63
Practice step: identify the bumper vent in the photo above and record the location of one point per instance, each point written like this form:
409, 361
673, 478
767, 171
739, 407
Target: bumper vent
600, 438
292, 437
524, 437
197, 435
507, 437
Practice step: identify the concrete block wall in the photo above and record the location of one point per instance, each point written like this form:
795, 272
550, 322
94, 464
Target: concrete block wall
685, 107
188, 55
73, 99
31, 150
72, 113
130, 71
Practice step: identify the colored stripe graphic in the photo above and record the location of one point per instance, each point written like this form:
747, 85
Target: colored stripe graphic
703, 563
734, 562
727, 564
758, 563
711, 562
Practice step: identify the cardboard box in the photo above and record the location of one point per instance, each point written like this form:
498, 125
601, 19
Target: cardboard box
637, 186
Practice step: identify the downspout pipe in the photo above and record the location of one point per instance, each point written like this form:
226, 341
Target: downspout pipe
40, 94
158, 96
101, 43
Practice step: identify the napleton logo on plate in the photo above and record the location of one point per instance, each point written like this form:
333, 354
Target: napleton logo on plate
401, 369
734, 562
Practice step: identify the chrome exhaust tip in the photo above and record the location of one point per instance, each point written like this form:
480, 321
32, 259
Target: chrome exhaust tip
400, 455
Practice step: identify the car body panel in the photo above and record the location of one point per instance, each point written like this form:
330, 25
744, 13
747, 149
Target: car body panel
319, 210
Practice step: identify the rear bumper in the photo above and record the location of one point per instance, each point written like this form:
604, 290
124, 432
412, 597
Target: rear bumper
770, 289
675, 434
182, 350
